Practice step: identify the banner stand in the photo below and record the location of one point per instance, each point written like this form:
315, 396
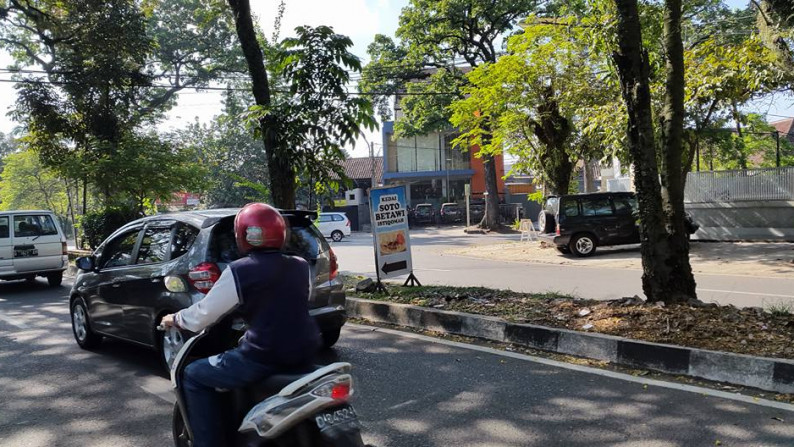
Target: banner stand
412, 280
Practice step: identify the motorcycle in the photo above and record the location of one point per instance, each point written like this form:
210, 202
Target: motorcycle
304, 409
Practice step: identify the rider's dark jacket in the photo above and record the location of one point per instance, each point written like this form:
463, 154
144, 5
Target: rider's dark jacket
270, 291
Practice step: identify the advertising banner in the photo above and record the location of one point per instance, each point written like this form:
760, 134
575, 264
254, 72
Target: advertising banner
390, 231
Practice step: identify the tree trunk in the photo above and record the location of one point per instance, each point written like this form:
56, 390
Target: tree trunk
661, 265
282, 175
491, 218
681, 282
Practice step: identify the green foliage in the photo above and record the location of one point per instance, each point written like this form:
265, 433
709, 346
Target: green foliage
101, 60
97, 226
26, 184
317, 116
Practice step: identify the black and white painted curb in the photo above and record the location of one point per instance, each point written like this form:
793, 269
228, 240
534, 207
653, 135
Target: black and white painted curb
758, 372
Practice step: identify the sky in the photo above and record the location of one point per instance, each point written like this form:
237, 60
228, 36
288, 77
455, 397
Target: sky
358, 19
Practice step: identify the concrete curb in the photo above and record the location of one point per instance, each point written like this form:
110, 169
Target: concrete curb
758, 372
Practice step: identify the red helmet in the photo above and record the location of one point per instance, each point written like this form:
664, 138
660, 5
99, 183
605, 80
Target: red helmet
259, 227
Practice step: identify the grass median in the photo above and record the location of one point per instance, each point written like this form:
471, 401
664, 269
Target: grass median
755, 331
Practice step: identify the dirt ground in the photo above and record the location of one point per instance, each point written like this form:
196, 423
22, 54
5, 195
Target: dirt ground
773, 259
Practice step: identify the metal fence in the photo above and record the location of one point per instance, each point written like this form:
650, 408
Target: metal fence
739, 186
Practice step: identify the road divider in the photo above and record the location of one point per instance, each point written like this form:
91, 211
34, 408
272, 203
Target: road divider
767, 374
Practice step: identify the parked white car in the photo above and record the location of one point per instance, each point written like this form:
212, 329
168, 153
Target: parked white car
333, 225
32, 244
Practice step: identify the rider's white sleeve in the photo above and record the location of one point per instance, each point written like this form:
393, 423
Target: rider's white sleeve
220, 300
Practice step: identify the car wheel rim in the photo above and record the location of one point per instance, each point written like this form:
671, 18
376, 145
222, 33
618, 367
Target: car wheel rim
79, 322
584, 245
172, 343
337, 237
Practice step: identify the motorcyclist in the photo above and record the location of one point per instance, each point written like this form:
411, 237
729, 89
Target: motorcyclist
271, 292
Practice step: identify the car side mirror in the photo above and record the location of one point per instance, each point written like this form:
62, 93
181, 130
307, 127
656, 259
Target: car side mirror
86, 263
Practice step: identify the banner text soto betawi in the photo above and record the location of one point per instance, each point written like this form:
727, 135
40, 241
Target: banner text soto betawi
389, 211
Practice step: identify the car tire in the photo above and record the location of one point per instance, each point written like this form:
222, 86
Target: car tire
169, 342
331, 336
85, 337
546, 222
55, 279
337, 236
583, 245
563, 249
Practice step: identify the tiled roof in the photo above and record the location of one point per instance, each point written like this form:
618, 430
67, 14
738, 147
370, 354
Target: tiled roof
784, 126
361, 168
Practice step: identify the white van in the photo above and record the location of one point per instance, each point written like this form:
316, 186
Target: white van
32, 244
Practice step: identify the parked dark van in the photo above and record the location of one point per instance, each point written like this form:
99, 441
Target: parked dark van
161, 264
584, 222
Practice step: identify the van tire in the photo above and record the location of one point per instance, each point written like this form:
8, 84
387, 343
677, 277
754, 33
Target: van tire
546, 222
55, 279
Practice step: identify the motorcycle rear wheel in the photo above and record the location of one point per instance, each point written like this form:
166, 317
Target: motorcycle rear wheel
179, 430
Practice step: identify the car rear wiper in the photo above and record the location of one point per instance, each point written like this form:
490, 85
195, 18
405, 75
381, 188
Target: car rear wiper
34, 239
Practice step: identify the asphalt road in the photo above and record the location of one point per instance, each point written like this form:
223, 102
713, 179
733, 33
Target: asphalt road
433, 266
411, 392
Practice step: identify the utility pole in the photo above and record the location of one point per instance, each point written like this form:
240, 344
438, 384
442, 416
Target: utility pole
777, 149
372, 164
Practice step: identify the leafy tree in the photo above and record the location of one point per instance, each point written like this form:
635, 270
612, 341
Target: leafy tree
441, 40
304, 130
26, 184
104, 63
775, 21
234, 158
532, 100
667, 274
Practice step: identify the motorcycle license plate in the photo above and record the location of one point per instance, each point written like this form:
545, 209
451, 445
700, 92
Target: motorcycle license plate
336, 416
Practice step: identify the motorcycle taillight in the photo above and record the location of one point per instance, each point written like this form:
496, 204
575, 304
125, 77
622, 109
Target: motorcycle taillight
204, 276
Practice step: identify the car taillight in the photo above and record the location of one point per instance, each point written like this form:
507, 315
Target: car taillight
558, 229
63, 248
203, 276
334, 267
347, 224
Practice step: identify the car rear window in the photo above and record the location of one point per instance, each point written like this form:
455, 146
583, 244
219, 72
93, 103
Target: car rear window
338, 218
304, 240
422, 210
28, 225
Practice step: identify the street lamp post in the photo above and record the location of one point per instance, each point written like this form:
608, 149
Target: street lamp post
449, 189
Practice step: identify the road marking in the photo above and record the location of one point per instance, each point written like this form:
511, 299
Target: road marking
432, 270
13, 322
745, 293
585, 369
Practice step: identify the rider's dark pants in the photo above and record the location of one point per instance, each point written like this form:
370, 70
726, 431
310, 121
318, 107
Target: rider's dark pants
201, 378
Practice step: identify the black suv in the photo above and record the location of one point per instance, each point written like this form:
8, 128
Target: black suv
424, 213
585, 221
161, 264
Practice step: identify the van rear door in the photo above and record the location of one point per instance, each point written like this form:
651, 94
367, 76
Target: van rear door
37, 243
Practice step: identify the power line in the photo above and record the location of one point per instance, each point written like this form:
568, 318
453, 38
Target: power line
224, 89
